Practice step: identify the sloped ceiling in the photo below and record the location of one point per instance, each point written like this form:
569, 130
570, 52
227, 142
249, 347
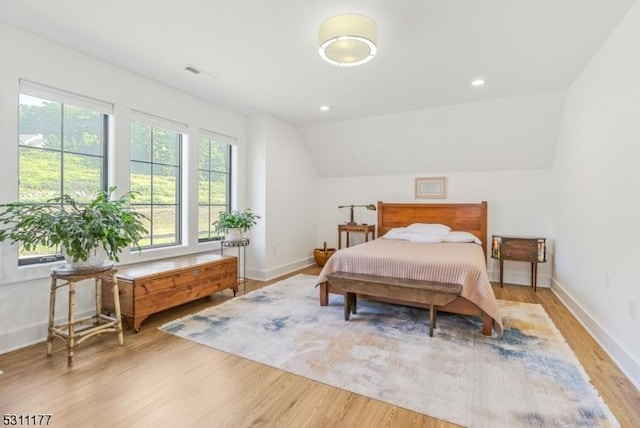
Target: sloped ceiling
506, 134
261, 57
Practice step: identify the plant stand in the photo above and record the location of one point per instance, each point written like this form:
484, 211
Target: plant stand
242, 266
75, 331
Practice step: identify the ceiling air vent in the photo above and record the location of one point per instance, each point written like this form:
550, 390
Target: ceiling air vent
192, 69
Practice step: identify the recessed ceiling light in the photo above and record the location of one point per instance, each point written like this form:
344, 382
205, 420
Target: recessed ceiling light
325, 108
477, 82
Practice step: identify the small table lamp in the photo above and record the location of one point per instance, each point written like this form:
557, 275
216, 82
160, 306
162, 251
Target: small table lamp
370, 207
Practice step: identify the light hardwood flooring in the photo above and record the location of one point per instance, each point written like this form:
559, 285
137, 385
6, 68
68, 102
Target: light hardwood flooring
159, 380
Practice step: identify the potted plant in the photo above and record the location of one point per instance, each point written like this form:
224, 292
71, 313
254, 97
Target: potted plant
233, 224
87, 235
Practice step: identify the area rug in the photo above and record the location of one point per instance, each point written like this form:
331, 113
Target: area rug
529, 377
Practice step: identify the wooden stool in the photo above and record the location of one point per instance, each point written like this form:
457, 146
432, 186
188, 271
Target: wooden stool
87, 326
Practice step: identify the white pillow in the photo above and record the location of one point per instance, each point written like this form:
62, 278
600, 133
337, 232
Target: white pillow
428, 228
396, 233
455, 236
424, 237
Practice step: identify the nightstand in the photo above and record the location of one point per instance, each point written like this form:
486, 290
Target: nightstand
530, 249
358, 228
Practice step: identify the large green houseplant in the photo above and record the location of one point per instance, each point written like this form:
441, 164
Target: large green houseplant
234, 223
78, 230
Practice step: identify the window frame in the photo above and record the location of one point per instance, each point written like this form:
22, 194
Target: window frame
230, 143
65, 98
181, 130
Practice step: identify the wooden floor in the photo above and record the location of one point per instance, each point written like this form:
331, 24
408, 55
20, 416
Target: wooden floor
157, 379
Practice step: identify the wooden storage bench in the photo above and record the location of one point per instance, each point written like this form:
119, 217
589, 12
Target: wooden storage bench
147, 288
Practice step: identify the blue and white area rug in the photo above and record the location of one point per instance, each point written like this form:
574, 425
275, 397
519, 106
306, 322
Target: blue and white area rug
527, 378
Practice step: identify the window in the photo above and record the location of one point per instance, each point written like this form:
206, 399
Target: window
214, 182
62, 150
155, 175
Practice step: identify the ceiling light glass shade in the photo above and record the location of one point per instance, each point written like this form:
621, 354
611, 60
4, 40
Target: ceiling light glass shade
347, 40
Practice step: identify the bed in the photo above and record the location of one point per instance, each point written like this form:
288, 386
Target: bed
459, 263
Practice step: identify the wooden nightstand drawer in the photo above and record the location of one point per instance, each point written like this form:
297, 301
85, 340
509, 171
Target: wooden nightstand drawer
519, 249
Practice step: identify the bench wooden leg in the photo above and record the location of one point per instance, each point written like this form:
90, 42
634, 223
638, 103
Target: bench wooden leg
324, 294
432, 319
350, 303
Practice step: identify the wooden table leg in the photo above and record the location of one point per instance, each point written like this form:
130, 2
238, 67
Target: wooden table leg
116, 304
71, 343
98, 299
501, 273
52, 314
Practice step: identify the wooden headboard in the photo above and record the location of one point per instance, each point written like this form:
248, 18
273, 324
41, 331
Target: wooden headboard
470, 217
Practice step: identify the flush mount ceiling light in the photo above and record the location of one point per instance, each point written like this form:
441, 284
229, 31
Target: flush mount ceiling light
347, 40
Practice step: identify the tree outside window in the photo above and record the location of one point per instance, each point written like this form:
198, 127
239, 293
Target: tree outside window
62, 150
214, 184
155, 175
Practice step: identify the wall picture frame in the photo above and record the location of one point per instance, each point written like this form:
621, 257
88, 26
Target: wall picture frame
431, 188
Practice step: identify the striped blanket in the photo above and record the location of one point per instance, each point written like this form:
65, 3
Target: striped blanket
457, 263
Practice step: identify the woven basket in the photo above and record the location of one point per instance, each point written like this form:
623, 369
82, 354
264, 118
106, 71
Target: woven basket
322, 254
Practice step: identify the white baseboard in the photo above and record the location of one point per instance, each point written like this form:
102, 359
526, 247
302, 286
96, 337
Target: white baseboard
30, 335
618, 353
269, 274
520, 279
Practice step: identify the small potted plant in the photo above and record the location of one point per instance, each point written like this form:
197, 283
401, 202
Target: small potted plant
233, 224
87, 234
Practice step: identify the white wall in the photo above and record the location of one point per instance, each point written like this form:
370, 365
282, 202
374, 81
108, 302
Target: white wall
500, 135
257, 191
519, 202
24, 292
287, 201
598, 209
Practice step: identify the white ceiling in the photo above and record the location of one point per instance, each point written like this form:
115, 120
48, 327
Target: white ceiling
261, 55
